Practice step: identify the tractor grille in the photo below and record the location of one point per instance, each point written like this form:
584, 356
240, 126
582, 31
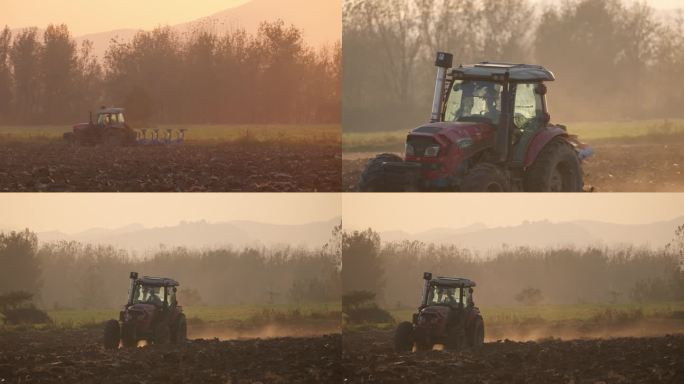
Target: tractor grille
419, 143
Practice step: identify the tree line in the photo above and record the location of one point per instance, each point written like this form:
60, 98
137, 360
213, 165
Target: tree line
612, 59
162, 76
562, 275
77, 275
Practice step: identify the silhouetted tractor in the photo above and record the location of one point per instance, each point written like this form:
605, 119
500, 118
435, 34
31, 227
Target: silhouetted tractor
447, 315
111, 129
490, 131
151, 314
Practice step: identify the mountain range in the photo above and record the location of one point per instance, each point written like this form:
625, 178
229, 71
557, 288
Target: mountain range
202, 234
546, 234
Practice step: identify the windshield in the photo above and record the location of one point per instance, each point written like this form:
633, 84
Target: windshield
148, 295
438, 295
471, 100
110, 118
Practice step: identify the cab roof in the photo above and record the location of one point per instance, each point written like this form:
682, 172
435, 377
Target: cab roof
111, 110
158, 281
453, 282
517, 72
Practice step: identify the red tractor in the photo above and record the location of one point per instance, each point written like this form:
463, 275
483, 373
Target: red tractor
110, 129
490, 131
151, 314
447, 315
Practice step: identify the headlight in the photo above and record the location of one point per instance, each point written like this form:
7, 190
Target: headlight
432, 151
409, 150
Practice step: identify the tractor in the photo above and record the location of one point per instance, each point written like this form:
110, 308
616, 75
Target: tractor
151, 314
490, 131
447, 315
111, 129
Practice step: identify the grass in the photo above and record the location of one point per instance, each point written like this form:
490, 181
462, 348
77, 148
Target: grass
558, 313
591, 132
237, 314
315, 134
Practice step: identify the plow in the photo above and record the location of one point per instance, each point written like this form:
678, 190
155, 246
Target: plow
110, 128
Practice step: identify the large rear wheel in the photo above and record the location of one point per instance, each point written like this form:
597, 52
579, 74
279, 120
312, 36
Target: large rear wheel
112, 334
477, 333
556, 169
403, 337
179, 332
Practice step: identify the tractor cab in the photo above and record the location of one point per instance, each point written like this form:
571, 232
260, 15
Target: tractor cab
158, 291
107, 117
455, 293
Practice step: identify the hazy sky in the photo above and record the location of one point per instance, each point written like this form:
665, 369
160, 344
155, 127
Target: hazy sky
659, 4
418, 212
87, 16
74, 212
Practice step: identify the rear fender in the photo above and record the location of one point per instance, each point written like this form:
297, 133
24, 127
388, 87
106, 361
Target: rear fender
540, 140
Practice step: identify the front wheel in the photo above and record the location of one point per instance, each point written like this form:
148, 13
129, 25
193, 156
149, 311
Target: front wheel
485, 177
556, 169
372, 178
129, 337
112, 334
403, 337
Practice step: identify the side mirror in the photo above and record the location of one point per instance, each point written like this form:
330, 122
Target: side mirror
540, 89
427, 276
134, 275
444, 60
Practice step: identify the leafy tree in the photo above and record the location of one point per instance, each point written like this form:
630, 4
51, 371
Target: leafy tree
362, 268
360, 307
25, 61
20, 265
5, 75
58, 65
16, 308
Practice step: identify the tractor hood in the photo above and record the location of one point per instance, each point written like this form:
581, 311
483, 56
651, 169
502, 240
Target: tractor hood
142, 308
436, 310
434, 317
463, 134
80, 126
442, 148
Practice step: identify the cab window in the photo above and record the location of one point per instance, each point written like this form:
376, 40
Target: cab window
528, 110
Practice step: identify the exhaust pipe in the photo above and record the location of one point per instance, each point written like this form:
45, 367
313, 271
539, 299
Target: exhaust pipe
443, 62
503, 134
427, 276
134, 277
